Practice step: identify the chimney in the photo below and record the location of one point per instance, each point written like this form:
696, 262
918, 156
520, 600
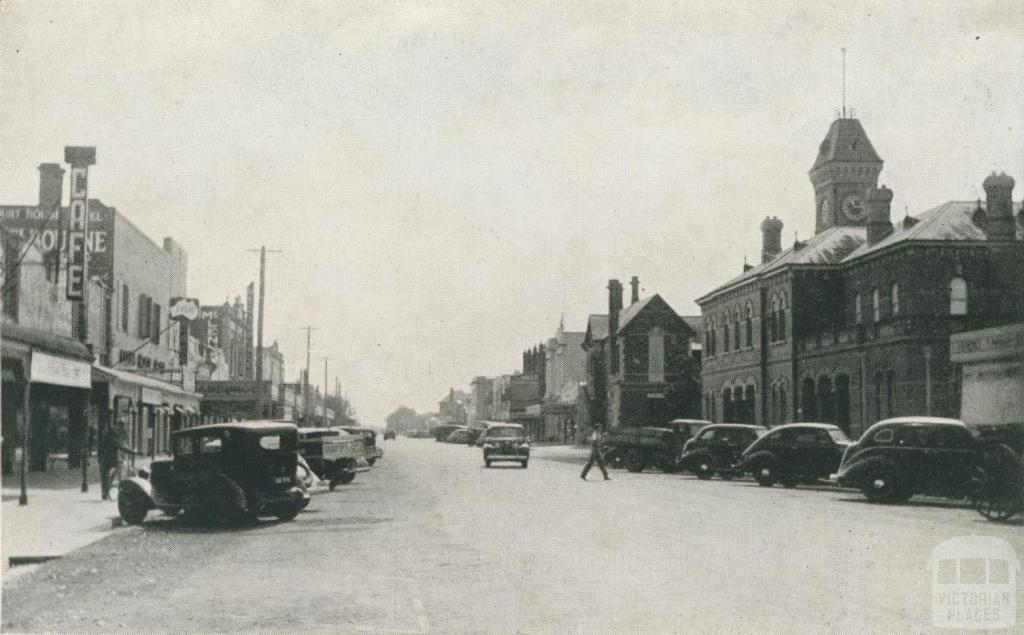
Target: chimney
635, 295
771, 238
614, 307
999, 207
879, 200
51, 185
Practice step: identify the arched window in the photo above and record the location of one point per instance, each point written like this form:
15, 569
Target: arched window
895, 299
774, 332
750, 326
857, 310
736, 330
782, 318
958, 296
876, 305
725, 333
782, 404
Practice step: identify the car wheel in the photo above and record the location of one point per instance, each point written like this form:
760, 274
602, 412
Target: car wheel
789, 482
487, 463
882, 487
726, 476
132, 507
703, 470
370, 462
286, 511
525, 463
764, 473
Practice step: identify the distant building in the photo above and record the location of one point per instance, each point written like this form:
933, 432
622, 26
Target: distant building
854, 324
452, 409
565, 369
640, 368
224, 327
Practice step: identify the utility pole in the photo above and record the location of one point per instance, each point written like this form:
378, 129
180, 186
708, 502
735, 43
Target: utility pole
325, 390
259, 318
305, 376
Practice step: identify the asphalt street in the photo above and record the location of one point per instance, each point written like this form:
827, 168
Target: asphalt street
431, 541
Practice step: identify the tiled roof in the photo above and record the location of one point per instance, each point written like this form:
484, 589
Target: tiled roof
626, 315
695, 322
950, 221
597, 327
826, 248
846, 141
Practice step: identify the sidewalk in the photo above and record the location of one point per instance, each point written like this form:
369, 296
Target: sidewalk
58, 519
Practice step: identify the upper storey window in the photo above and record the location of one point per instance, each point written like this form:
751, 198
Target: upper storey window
958, 296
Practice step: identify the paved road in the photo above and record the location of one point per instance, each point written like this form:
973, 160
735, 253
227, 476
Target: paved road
431, 541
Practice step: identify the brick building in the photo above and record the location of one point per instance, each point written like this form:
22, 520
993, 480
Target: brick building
853, 325
565, 369
640, 370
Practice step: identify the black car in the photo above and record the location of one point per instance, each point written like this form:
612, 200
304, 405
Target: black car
717, 448
898, 458
228, 469
506, 442
795, 453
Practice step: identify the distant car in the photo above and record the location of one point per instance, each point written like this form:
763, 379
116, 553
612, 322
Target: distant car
898, 458
458, 436
795, 453
442, 432
717, 448
506, 442
332, 453
371, 451
389, 434
637, 449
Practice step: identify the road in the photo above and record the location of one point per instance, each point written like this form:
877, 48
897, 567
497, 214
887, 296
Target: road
430, 541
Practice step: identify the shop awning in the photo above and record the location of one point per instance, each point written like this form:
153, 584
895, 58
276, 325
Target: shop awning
39, 340
55, 359
144, 389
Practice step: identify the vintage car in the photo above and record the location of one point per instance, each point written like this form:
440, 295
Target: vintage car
442, 432
506, 442
637, 449
228, 470
686, 429
460, 436
717, 447
332, 453
795, 453
371, 451
898, 458
389, 435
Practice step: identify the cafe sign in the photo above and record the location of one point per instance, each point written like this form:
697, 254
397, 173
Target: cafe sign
80, 158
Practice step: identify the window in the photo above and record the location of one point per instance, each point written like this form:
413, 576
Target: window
656, 356
750, 329
124, 308
155, 326
142, 325
782, 319
857, 310
51, 265
725, 331
271, 442
736, 331
12, 276
883, 436
895, 299
958, 296
876, 309
772, 318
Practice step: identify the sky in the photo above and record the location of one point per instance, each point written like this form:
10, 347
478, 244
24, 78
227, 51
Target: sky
446, 180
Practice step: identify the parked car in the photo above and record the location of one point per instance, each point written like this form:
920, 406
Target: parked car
717, 448
686, 428
389, 434
371, 451
637, 449
896, 459
795, 453
506, 442
441, 432
234, 469
332, 453
458, 436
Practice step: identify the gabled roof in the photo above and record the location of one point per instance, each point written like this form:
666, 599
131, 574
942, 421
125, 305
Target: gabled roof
597, 328
953, 221
846, 141
631, 312
695, 322
829, 247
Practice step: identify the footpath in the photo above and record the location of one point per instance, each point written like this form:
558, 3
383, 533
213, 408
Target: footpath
58, 519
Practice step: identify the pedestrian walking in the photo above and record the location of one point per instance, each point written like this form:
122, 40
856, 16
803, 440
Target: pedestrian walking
595, 456
107, 443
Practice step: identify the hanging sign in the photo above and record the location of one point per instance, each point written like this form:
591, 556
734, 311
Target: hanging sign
80, 159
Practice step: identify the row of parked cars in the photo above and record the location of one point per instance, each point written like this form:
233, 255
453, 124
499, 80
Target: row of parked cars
247, 469
894, 460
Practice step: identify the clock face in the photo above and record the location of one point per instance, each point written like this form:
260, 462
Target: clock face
826, 212
853, 207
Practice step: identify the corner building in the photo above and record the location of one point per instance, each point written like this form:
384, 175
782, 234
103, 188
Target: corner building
853, 325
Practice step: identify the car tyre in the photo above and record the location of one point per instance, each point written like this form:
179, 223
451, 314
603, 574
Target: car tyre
370, 462
703, 471
726, 476
525, 463
635, 461
286, 511
764, 473
789, 482
132, 507
882, 487
487, 463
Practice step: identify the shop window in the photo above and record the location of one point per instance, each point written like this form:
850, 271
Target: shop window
958, 296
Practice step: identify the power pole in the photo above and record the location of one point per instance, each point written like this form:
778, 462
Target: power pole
325, 390
305, 376
259, 319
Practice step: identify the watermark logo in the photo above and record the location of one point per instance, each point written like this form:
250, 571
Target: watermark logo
974, 583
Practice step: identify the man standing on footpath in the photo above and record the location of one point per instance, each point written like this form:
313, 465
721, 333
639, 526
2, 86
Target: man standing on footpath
595, 455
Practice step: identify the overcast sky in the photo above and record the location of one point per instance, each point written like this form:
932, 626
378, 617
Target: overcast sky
446, 179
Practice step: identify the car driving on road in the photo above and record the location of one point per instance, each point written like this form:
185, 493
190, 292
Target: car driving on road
506, 442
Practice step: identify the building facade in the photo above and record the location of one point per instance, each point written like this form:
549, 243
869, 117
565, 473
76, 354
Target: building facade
853, 325
565, 364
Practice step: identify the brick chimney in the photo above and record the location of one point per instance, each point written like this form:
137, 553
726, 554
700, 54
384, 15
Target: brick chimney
51, 185
614, 307
999, 219
879, 202
771, 238
635, 295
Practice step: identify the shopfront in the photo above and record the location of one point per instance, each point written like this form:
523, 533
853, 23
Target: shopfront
990, 366
46, 384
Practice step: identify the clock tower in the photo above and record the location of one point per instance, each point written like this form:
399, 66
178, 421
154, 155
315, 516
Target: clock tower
847, 165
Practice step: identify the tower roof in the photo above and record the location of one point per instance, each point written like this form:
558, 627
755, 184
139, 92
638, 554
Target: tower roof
846, 141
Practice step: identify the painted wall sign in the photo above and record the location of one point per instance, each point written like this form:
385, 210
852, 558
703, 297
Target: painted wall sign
60, 371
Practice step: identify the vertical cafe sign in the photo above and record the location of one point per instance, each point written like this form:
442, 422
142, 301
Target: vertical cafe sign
79, 158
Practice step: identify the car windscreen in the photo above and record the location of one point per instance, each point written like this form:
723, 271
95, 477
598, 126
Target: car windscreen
506, 433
